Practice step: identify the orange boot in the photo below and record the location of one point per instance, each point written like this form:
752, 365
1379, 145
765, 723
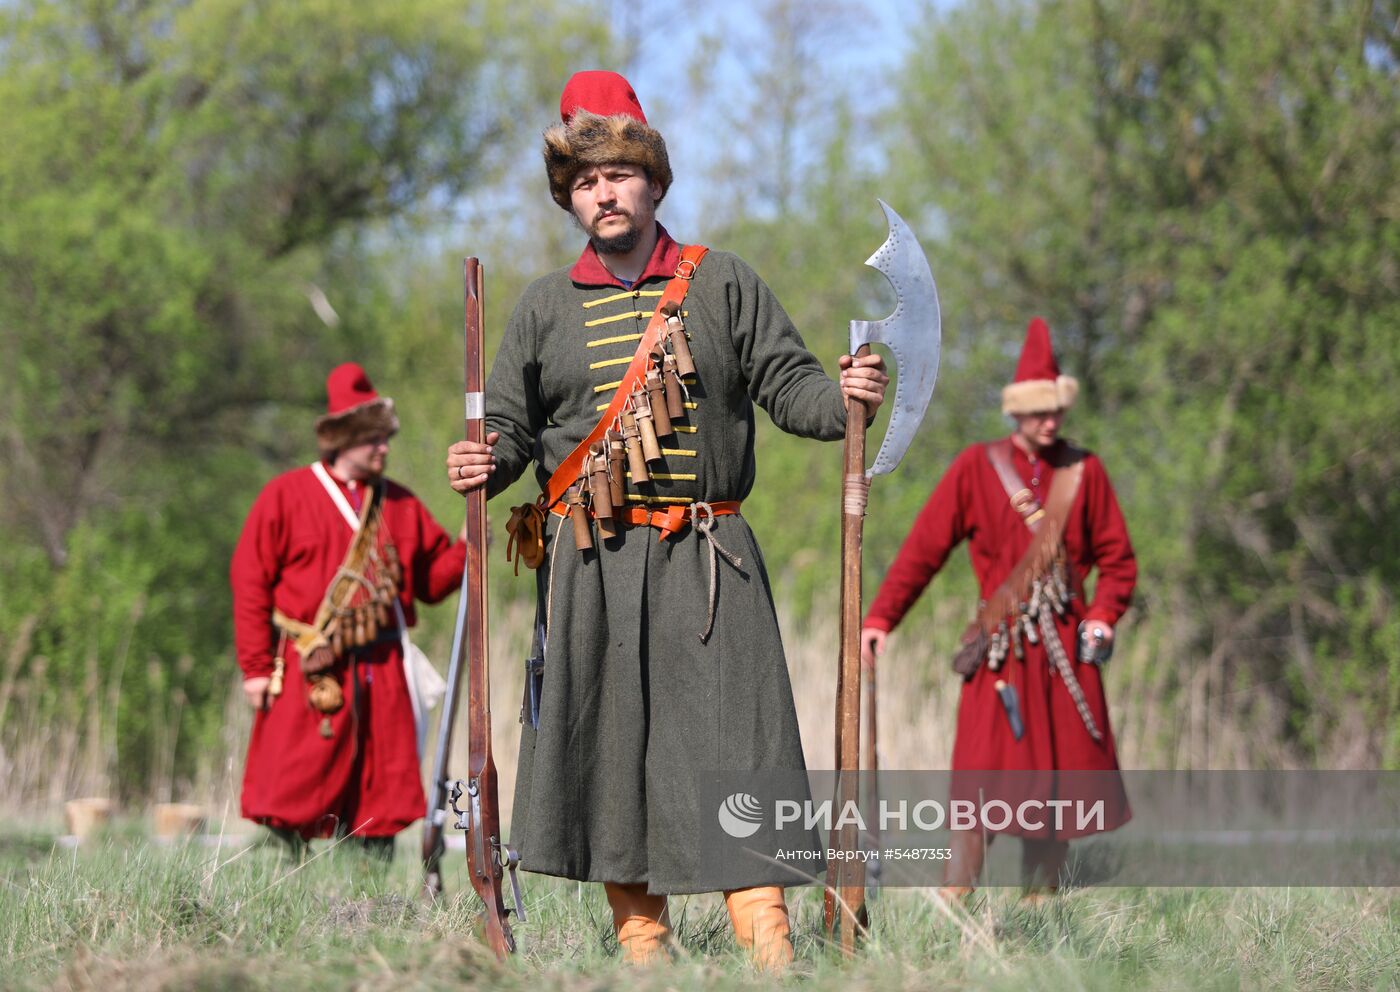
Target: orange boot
642, 922
760, 918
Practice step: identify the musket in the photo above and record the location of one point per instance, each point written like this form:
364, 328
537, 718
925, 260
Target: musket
438, 785
912, 333
488, 857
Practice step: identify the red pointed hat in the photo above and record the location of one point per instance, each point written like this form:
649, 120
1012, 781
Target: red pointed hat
1038, 386
602, 122
354, 411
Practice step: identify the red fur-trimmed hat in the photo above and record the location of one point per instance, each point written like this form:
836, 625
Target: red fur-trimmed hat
354, 411
602, 122
1038, 386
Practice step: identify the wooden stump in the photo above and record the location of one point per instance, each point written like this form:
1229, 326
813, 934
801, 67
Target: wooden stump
176, 821
86, 816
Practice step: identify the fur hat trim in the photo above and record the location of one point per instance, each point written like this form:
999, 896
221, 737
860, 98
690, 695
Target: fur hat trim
335, 432
1039, 395
589, 139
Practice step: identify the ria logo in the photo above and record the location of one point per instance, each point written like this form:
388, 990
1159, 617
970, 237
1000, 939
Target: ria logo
741, 815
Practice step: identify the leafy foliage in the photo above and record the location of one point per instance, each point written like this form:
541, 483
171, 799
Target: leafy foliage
207, 203
179, 179
1202, 201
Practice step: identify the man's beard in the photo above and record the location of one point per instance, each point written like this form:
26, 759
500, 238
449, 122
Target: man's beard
620, 243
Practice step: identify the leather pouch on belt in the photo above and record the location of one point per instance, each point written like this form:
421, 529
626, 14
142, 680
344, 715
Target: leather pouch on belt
969, 656
526, 529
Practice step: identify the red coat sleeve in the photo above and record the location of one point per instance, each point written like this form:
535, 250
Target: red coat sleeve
257, 562
439, 562
940, 527
1111, 548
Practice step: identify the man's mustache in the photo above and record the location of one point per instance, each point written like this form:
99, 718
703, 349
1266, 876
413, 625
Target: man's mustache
611, 212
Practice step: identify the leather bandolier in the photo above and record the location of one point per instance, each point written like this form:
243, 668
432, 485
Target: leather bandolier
356, 611
1025, 607
590, 485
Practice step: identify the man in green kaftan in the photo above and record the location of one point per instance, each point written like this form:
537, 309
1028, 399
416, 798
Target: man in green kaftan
662, 656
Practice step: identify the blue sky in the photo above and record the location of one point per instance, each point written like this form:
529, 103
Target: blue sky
860, 59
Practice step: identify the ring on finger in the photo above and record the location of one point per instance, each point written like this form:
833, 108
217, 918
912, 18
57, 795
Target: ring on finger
459, 471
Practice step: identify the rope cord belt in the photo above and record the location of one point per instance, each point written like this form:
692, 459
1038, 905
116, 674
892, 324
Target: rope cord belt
671, 521
705, 525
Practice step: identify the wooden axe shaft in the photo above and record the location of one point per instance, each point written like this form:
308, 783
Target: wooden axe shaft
846, 876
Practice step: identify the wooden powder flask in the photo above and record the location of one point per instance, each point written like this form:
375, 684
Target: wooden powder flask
631, 437
680, 345
617, 470
371, 623
671, 382
656, 397
646, 425
385, 594
578, 513
391, 559
599, 486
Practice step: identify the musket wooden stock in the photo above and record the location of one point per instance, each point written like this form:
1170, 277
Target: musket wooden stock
484, 846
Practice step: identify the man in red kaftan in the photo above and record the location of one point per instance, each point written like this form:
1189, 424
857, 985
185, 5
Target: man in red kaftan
355, 770
972, 503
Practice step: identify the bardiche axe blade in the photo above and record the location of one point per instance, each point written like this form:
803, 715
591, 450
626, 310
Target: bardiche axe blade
914, 332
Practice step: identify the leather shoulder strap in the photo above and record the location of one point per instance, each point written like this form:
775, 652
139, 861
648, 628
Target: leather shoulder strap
671, 298
1022, 500
337, 497
1063, 486
1049, 532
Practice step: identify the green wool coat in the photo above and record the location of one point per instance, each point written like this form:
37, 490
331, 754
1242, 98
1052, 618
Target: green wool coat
634, 706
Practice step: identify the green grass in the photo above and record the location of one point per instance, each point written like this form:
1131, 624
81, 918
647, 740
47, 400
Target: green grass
121, 913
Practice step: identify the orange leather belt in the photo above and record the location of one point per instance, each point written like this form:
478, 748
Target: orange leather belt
671, 520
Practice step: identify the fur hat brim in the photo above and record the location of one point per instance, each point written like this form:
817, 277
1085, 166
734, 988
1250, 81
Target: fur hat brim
1039, 395
356, 425
589, 140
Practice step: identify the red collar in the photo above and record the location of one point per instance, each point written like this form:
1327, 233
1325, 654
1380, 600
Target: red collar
589, 270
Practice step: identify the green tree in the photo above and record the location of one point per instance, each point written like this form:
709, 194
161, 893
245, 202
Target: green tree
793, 190
1202, 200
185, 185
